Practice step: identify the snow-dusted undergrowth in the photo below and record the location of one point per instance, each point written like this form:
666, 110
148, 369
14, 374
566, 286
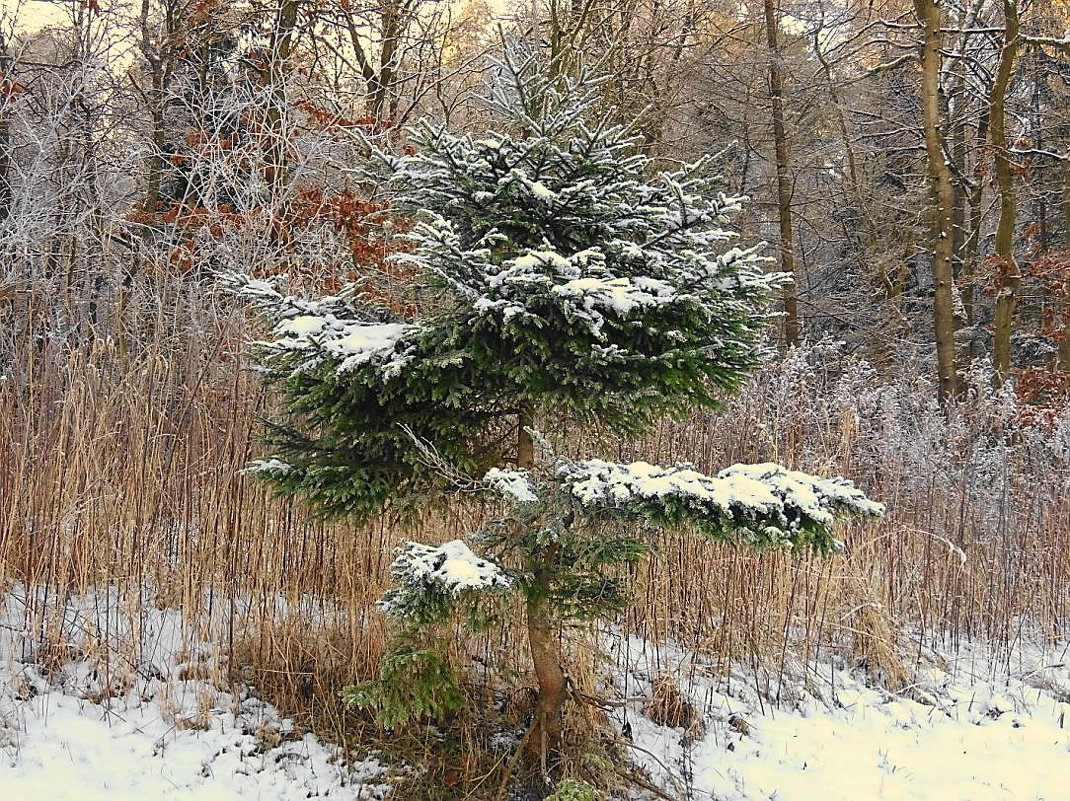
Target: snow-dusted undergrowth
150, 722
970, 727
108, 699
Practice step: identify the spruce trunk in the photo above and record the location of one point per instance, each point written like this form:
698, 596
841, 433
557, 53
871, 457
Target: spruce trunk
544, 738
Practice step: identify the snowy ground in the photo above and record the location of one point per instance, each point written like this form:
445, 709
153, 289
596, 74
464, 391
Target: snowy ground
971, 728
149, 723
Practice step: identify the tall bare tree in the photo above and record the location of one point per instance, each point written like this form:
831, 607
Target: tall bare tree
1010, 275
943, 194
786, 247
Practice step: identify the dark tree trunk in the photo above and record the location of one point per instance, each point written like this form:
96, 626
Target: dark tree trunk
1011, 276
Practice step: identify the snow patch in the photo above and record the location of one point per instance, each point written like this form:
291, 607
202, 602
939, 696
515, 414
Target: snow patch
134, 710
974, 731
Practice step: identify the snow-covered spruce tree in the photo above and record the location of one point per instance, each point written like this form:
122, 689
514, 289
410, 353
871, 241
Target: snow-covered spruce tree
562, 277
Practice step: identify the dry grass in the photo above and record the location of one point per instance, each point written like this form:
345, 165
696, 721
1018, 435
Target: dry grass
669, 707
121, 467
957, 555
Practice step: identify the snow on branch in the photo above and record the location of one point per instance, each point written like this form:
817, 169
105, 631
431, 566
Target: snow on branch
351, 344
515, 485
326, 329
429, 578
813, 496
767, 503
273, 466
265, 296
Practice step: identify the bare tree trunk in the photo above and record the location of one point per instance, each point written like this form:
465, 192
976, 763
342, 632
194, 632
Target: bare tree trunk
1011, 276
957, 118
972, 250
383, 82
157, 55
971, 194
1064, 346
928, 12
154, 179
792, 327
7, 95
277, 69
5, 165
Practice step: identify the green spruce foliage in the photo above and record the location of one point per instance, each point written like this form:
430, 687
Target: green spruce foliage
414, 684
558, 272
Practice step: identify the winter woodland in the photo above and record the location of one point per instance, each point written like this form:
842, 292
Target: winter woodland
573, 401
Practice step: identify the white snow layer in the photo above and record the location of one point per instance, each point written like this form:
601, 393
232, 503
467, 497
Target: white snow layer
272, 465
453, 567
145, 722
543, 192
761, 488
969, 730
622, 295
812, 495
513, 484
355, 343
580, 284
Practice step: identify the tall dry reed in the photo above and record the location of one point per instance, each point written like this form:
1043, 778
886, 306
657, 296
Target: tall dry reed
121, 458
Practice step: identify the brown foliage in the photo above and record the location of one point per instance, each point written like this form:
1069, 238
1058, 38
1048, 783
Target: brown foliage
1044, 396
322, 119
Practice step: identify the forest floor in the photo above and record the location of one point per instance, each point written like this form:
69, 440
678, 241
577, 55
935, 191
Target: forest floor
109, 703
150, 721
973, 723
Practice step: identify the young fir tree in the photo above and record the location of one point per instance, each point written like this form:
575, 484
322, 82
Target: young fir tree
562, 277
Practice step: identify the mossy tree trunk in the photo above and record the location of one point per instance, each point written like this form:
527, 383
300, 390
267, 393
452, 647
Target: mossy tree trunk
930, 16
